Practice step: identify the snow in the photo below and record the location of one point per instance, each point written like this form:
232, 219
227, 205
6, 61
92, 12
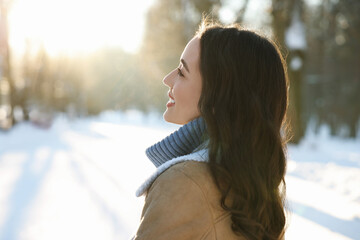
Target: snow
77, 180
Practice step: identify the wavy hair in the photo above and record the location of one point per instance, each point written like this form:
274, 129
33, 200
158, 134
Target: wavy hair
243, 102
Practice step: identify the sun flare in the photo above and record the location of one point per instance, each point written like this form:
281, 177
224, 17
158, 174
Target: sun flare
74, 26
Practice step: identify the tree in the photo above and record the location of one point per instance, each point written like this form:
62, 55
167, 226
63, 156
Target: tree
289, 31
5, 66
332, 67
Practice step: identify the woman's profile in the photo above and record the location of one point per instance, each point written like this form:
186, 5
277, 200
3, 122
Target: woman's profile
221, 175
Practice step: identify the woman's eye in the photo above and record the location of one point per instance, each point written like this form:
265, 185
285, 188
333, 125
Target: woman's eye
179, 72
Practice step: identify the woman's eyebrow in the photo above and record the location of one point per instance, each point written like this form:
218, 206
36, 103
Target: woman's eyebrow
185, 65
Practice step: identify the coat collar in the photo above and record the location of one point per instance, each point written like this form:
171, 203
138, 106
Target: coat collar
199, 156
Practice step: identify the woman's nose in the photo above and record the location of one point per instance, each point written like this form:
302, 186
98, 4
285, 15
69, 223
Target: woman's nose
168, 79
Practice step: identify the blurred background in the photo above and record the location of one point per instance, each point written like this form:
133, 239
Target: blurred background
81, 81
84, 57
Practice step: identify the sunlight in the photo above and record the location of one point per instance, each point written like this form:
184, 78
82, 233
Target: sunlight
76, 26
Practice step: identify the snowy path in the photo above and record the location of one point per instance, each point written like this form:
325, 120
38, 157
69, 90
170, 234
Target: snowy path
77, 181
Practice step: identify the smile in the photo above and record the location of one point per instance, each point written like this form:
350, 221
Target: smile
170, 103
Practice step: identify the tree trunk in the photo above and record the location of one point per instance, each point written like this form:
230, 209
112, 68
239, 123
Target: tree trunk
282, 12
5, 64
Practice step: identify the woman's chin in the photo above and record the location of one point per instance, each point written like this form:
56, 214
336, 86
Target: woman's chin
171, 118
168, 117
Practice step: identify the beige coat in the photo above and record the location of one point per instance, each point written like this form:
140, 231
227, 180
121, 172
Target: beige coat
184, 203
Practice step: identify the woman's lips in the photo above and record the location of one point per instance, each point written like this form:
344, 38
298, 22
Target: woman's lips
171, 102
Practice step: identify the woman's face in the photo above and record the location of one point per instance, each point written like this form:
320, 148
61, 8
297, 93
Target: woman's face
185, 86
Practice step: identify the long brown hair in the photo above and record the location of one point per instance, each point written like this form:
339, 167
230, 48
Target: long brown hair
243, 102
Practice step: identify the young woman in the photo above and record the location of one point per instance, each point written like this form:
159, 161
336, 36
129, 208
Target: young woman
221, 175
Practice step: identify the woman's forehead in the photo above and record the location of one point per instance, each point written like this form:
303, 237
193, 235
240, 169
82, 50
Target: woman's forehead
191, 53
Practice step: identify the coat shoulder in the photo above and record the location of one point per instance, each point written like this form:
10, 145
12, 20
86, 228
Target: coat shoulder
198, 173
175, 208
194, 178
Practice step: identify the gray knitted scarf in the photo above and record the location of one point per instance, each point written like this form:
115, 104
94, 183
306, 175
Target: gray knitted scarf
181, 142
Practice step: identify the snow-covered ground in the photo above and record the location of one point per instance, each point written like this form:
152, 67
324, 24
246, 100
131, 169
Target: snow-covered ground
77, 180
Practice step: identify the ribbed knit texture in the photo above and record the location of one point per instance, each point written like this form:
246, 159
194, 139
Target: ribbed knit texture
181, 142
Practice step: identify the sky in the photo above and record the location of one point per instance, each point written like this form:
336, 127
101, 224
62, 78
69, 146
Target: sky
73, 26
77, 25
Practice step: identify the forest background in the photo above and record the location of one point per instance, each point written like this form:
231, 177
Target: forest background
320, 40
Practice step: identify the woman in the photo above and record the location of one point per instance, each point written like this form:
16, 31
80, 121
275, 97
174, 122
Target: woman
221, 175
